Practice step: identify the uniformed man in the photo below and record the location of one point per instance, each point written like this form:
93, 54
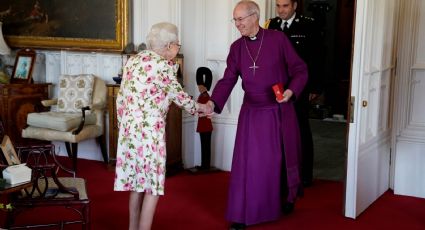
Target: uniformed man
304, 34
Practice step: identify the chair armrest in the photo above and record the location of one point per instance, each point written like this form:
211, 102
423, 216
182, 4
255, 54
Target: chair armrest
98, 106
83, 120
50, 102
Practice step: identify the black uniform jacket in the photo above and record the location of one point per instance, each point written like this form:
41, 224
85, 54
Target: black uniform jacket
306, 38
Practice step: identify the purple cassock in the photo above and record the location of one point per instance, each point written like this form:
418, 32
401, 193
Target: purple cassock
266, 129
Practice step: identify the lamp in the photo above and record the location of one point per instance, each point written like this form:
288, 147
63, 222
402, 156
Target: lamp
4, 50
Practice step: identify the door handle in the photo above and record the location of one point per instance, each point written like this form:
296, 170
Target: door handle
364, 103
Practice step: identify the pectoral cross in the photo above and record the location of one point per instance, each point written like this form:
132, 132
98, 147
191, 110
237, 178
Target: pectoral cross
253, 67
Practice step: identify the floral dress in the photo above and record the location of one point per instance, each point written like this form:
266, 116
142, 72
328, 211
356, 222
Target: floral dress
148, 87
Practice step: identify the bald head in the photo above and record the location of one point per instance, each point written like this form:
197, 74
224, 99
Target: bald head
250, 7
246, 17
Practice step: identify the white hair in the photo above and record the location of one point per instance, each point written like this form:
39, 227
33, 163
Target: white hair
161, 35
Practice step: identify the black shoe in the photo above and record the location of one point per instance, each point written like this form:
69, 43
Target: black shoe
237, 226
287, 208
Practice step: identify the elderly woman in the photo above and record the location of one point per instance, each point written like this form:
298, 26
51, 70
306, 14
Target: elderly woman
148, 87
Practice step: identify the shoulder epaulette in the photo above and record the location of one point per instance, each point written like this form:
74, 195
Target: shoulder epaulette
267, 23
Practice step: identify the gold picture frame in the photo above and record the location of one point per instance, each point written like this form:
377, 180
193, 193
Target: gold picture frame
95, 25
24, 63
9, 152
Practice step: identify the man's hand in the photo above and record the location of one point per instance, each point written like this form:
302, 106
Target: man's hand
287, 94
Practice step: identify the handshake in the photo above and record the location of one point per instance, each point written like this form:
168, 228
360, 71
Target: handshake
206, 110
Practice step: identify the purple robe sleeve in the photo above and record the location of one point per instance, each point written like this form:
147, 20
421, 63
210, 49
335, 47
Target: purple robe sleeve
297, 69
225, 85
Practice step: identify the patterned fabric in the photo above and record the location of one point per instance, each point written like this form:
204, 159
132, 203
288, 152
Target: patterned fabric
148, 87
75, 92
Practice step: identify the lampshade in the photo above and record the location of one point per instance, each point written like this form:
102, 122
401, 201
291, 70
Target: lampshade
4, 49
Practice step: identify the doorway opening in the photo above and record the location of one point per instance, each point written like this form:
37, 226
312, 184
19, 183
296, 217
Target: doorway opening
328, 114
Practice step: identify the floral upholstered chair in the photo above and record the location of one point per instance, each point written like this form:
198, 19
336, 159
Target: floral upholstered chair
79, 115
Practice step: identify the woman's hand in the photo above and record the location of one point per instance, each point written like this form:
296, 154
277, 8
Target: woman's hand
206, 109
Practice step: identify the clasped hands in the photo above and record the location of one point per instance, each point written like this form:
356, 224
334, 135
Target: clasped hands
206, 110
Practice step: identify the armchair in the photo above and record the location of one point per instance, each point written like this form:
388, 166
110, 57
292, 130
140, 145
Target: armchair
79, 115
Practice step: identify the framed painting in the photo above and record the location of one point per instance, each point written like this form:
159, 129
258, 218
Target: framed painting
24, 64
86, 25
9, 152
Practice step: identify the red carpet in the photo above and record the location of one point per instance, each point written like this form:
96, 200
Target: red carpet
199, 202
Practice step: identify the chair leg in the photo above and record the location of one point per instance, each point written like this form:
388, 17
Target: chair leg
68, 149
102, 144
10, 219
72, 150
86, 214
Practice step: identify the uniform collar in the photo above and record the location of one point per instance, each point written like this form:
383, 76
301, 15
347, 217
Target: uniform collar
289, 20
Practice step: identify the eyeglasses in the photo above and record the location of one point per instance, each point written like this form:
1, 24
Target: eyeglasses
177, 44
234, 20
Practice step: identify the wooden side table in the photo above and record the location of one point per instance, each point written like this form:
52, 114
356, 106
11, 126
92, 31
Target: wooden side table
17, 100
8, 188
113, 127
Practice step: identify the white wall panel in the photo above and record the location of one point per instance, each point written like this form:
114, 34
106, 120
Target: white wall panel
159, 11
384, 107
39, 70
53, 66
409, 166
389, 36
222, 145
417, 96
409, 102
191, 149
136, 22
218, 29
420, 51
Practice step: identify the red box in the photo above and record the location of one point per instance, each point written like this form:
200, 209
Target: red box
278, 91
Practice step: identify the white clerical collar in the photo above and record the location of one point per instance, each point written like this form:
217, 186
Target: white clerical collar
290, 20
253, 38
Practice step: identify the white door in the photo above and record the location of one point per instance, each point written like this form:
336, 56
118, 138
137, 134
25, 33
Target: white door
369, 136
